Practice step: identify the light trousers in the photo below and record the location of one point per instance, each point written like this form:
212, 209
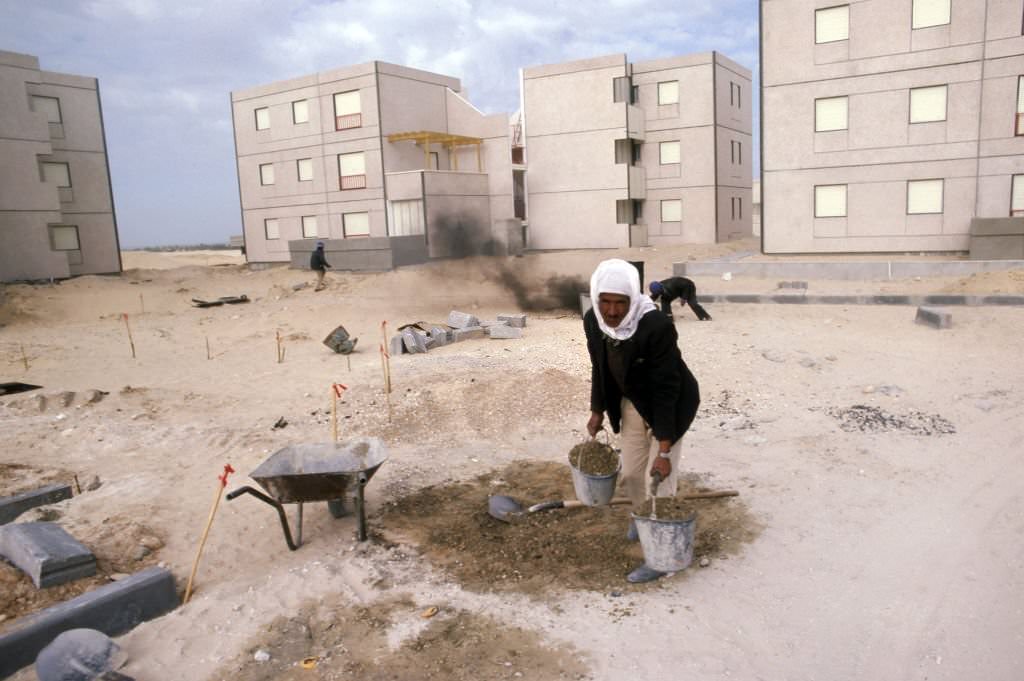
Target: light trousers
639, 448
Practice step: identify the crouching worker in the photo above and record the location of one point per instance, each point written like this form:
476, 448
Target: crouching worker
679, 288
639, 378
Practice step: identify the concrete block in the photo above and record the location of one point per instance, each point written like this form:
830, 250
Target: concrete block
414, 341
113, 609
439, 335
934, 317
504, 331
46, 553
471, 332
395, 346
517, 321
793, 284
488, 323
13, 506
462, 320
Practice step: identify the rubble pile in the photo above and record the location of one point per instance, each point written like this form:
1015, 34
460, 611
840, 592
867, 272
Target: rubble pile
421, 337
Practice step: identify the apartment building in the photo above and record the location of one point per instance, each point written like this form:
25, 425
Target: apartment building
56, 204
387, 165
634, 154
889, 125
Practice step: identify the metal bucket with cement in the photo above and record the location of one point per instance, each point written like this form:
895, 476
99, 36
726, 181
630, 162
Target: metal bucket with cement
667, 544
594, 490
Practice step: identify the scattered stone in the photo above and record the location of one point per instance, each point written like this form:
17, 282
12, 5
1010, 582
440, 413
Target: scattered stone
339, 341
46, 553
736, 423
831, 358
94, 484
152, 543
462, 320
934, 317
504, 332
279, 423
808, 362
13, 506
299, 287
140, 553
868, 389
517, 321
773, 356
615, 594
469, 332
92, 396
705, 561
261, 656
869, 419
414, 341
890, 390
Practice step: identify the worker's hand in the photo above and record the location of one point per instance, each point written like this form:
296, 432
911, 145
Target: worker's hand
662, 466
595, 423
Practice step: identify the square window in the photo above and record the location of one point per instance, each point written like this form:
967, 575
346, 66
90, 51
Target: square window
736, 152
309, 226
266, 173
49, 106
928, 104
64, 238
830, 201
668, 92
347, 110
271, 228
406, 217
736, 95
638, 209
263, 118
830, 113
672, 210
930, 13
1018, 123
924, 197
300, 111
832, 24
637, 152
668, 152
58, 173
304, 167
355, 224
352, 170
1017, 195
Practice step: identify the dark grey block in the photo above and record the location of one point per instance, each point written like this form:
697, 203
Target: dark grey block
439, 335
77, 655
396, 346
790, 298
504, 331
514, 320
12, 507
46, 553
1002, 300
945, 300
414, 341
934, 317
744, 298
462, 320
835, 300
793, 284
470, 332
112, 609
889, 300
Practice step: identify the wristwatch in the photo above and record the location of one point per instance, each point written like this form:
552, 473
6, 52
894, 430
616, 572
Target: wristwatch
664, 455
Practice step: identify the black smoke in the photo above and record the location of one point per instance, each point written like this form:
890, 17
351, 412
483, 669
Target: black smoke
556, 292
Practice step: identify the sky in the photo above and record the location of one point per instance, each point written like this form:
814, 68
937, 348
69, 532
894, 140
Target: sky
166, 69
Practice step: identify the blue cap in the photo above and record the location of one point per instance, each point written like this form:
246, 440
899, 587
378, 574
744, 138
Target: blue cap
656, 287
319, 244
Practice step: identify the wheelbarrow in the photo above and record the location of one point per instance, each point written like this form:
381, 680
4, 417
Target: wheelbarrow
317, 472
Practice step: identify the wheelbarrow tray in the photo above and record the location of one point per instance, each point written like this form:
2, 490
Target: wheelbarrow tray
319, 471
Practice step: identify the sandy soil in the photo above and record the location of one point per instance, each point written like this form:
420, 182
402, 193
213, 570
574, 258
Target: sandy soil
877, 534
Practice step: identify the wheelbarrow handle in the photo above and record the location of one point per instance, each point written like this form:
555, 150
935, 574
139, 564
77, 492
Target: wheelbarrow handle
273, 502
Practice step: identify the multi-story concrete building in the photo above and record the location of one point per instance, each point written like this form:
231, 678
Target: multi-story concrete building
56, 205
388, 165
634, 154
887, 125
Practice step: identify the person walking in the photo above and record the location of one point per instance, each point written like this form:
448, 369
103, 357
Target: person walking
638, 377
679, 288
318, 263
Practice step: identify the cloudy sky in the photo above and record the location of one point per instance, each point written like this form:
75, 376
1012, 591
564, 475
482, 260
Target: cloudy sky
166, 68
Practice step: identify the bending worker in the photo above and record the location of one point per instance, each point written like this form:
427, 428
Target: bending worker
682, 288
639, 378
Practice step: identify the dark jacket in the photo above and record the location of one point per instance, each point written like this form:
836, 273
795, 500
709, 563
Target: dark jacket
657, 380
677, 288
317, 261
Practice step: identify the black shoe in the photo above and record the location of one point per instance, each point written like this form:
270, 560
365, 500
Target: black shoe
644, 574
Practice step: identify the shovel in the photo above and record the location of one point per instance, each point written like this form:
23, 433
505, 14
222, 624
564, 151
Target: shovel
506, 509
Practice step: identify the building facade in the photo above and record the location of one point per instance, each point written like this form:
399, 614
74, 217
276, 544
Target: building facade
634, 154
888, 125
387, 165
56, 205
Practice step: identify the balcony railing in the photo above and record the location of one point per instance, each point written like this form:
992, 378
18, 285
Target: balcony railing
348, 121
352, 182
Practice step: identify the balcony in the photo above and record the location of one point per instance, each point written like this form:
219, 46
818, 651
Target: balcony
637, 182
636, 120
348, 121
352, 182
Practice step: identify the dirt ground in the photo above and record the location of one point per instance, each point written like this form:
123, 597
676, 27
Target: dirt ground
877, 533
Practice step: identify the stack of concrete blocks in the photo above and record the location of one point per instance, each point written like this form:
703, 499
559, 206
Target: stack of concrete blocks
506, 326
465, 326
461, 326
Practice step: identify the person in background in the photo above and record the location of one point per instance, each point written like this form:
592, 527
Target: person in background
318, 263
638, 377
679, 288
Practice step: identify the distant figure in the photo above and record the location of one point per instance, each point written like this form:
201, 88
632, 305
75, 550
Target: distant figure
682, 288
318, 263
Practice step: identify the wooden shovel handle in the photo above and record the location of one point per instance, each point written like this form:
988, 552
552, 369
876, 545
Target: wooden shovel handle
621, 501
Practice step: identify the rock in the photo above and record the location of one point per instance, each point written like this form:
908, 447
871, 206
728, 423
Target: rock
66, 398
705, 561
831, 358
261, 656
868, 389
94, 484
152, 543
808, 362
92, 396
462, 320
140, 552
414, 341
773, 356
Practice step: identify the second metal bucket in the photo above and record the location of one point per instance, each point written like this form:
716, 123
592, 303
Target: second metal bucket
594, 490
667, 544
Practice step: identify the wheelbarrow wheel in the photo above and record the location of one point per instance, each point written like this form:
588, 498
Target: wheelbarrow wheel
337, 508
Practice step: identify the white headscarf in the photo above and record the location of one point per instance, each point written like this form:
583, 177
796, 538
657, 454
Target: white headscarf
618, 276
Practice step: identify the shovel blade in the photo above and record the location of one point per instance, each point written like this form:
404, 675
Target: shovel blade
503, 508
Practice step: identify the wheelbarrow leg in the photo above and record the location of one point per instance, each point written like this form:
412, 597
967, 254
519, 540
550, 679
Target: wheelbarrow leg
280, 512
299, 533
361, 506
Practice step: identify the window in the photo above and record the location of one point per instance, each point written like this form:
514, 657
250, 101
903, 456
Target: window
638, 209
672, 210
266, 173
406, 217
300, 111
736, 150
271, 228
1017, 196
637, 152
49, 106
735, 95
737, 208
348, 112
352, 171
304, 166
634, 94
928, 104
668, 152
1018, 127
924, 196
263, 118
830, 113
355, 224
832, 24
668, 92
830, 201
930, 13
64, 238
621, 89
57, 173
435, 161
309, 226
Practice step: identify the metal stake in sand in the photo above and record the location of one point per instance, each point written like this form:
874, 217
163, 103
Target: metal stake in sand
280, 349
142, 304
207, 347
222, 482
336, 391
24, 357
131, 342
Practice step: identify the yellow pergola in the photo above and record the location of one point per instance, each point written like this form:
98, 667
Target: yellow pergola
425, 138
